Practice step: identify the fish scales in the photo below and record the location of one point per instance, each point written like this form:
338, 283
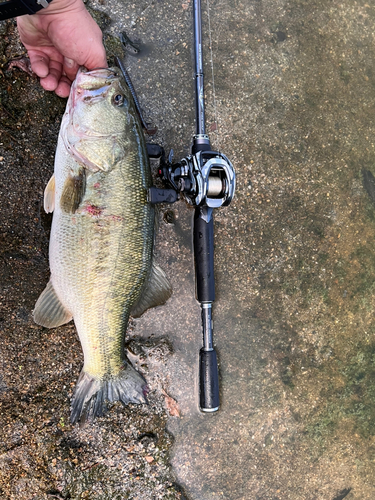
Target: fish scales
99, 259
101, 245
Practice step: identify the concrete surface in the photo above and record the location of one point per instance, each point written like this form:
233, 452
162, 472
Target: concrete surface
295, 268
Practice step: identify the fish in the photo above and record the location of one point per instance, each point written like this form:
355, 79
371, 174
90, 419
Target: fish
102, 238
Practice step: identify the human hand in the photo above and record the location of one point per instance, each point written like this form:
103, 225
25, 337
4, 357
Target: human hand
59, 39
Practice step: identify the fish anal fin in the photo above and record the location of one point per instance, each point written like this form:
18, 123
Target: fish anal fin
73, 191
156, 292
49, 196
49, 311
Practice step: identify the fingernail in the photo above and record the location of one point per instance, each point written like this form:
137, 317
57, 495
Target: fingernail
69, 62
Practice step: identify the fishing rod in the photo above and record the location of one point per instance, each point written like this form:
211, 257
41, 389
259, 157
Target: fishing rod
206, 179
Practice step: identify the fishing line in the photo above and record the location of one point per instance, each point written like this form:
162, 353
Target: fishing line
212, 75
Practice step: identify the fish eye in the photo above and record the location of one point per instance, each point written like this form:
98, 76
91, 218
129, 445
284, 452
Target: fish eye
119, 100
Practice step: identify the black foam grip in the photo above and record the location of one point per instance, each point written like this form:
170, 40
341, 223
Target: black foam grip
208, 381
204, 257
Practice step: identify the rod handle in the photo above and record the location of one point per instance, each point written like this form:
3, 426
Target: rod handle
208, 381
204, 256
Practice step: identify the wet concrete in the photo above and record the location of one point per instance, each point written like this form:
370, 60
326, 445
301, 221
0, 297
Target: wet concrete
295, 267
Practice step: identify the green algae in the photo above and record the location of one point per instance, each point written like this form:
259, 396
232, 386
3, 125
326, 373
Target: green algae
353, 403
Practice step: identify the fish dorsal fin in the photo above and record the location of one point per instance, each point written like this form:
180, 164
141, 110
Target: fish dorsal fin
73, 191
49, 196
156, 292
49, 311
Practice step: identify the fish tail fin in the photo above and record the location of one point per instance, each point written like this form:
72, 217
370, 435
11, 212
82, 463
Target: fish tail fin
92, 394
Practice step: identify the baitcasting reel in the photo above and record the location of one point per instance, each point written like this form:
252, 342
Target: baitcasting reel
206, 178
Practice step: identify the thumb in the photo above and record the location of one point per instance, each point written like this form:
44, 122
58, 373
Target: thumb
97, 57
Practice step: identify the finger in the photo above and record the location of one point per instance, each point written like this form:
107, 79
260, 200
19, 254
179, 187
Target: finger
63, 88
51, 81
98, 58
70, 68
93, 49
39, 63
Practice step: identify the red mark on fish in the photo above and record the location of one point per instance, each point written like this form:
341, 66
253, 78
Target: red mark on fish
93, 210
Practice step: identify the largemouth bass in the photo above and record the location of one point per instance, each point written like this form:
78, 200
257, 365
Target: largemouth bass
101, 243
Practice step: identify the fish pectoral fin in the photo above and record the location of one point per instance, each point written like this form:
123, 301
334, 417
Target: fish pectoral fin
49, 311
155, 293
49, 196
73, 191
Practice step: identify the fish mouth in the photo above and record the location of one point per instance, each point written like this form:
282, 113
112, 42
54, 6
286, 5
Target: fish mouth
94, 85
95, 79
